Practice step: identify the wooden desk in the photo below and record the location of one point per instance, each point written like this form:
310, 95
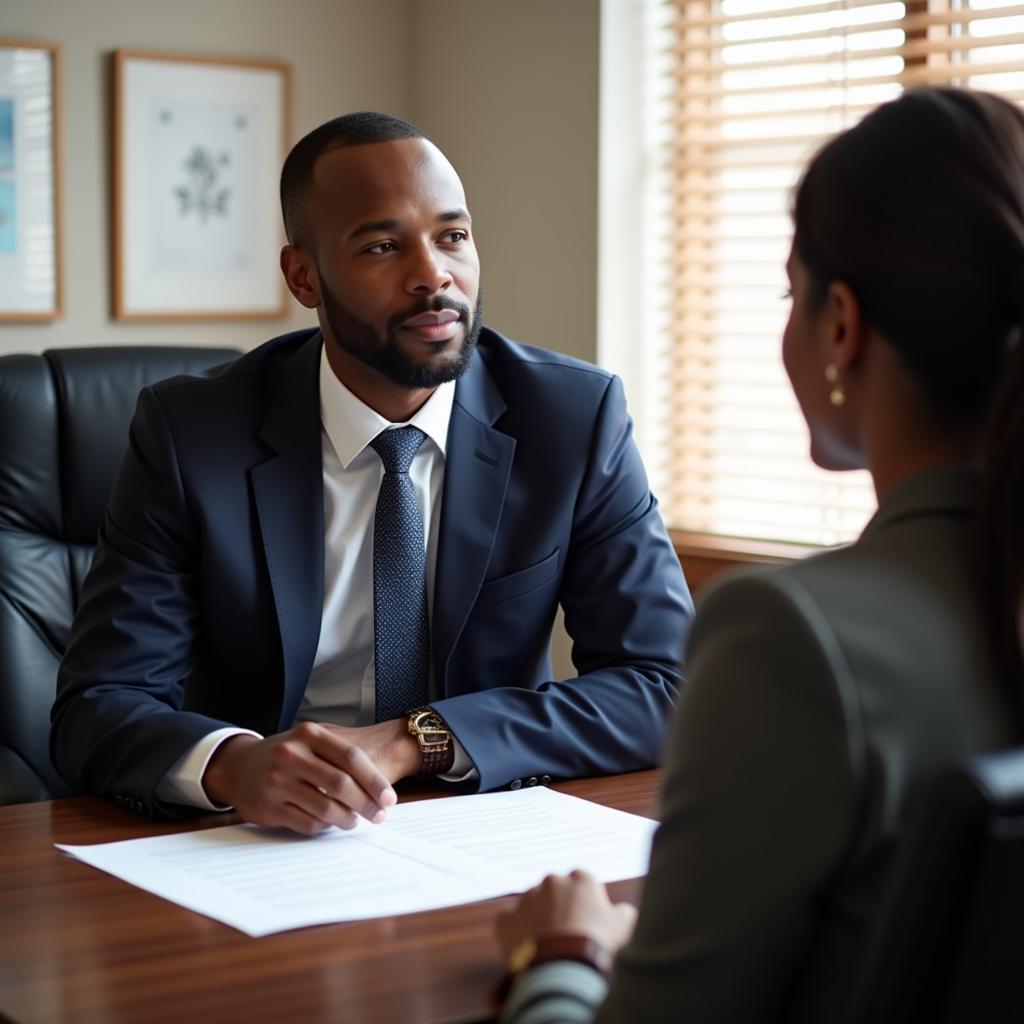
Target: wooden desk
77, 945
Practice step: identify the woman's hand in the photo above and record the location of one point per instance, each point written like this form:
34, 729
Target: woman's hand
575, 904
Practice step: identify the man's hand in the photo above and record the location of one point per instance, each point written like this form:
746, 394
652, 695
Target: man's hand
390, 745
313, 776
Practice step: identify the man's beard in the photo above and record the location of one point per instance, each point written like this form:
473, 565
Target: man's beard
384, 355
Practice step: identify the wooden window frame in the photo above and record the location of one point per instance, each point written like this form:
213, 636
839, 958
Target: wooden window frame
704, 555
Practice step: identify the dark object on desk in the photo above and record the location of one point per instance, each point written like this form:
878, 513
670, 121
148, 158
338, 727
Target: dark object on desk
64, 419
949, 948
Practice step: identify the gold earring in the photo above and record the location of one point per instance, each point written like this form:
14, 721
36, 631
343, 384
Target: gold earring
837, 395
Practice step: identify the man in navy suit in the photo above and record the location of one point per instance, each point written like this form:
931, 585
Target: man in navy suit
257, 630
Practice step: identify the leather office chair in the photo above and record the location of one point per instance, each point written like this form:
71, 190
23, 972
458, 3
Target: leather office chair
64, 420
950, 946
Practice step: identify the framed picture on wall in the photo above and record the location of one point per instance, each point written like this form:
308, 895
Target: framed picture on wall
198, 146
30, 284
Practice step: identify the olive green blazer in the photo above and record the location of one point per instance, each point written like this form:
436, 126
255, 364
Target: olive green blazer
821, 695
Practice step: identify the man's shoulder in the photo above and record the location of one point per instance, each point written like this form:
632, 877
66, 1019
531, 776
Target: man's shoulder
536, 391
506, 357
261, 363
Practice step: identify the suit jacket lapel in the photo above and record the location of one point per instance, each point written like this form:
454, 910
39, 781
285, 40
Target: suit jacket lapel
288, 493
478, 461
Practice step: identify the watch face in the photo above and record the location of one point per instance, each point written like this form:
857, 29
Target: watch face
428, 721
431, 733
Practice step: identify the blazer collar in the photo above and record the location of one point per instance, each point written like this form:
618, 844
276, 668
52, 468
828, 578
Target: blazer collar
287, 490
477, 394
478, 464
942, 491
294, 413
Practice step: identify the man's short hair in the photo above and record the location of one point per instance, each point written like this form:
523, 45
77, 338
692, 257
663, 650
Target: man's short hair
356, 129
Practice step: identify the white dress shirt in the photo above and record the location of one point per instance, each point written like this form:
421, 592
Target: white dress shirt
341, 687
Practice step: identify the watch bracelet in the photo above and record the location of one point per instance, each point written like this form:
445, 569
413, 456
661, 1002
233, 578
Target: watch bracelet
580, 948
437, 762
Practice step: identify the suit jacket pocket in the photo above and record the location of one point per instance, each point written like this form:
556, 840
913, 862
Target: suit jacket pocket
517, 584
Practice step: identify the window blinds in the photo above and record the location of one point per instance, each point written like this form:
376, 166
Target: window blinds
753, 88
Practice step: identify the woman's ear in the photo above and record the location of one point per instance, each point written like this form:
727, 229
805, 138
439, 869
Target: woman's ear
300, 276
843, 329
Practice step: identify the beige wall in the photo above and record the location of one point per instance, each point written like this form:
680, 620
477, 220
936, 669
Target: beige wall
508, 89
345, 55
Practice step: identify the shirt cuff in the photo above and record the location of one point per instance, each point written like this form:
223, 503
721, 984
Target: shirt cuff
462, 769
561, 990
183, 782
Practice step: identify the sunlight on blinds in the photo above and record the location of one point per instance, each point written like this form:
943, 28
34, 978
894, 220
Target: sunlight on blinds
754, 89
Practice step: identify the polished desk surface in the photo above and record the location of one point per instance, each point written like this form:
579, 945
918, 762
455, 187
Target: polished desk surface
80, 945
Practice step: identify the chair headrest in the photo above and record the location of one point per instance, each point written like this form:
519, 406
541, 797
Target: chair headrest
64, 420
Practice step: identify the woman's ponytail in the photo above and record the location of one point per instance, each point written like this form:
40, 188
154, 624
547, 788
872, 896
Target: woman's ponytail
1001, 515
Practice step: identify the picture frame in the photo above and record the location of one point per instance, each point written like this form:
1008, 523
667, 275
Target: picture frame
30, 186
198, 147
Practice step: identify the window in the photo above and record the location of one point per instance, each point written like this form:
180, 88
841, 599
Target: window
740, 93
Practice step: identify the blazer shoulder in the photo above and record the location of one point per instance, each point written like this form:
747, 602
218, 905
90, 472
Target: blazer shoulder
781, 589
805, 597
266, 360
505, 357
767, 616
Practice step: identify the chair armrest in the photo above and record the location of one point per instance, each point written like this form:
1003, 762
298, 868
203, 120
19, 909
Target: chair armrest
19, 784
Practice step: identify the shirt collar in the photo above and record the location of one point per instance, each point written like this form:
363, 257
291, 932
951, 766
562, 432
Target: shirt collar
351, 424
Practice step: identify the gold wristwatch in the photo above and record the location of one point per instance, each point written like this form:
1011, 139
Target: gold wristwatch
437, 751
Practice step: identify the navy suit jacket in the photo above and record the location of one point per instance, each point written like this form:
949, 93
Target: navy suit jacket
202, 608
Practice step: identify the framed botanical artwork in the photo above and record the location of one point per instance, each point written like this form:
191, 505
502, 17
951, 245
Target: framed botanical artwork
30, 283
198, 146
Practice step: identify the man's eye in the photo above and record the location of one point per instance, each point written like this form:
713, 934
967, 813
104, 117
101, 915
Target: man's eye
454, 237
381, 247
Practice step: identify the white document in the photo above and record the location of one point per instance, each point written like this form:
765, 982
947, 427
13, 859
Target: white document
427, 854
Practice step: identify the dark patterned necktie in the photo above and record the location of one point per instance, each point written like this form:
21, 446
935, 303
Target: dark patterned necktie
401, 639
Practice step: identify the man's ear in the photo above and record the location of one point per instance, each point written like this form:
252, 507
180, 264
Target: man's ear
300, 275
844, 334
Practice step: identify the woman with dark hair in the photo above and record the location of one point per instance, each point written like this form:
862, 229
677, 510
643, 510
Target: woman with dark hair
823, 693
